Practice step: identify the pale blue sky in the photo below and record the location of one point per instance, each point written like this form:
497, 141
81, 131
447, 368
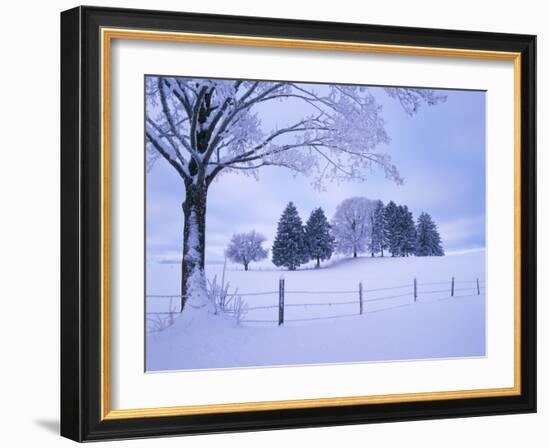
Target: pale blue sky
440, 153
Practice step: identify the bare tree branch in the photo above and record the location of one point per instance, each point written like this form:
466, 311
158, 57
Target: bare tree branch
155, 141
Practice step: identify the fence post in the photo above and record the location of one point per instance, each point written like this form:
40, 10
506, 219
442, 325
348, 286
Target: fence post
360, 298
477, 282
452, 286
281, 300
415, 290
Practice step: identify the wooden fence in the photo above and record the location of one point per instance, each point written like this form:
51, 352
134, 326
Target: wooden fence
453, 287
360, 297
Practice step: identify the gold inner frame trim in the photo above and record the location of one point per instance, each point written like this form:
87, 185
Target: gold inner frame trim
107, 35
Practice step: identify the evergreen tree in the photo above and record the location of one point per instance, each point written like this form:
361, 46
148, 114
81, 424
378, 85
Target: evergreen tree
428, 241
391, 228
408, 232
289, 248
399, 230
319, 241
378, 241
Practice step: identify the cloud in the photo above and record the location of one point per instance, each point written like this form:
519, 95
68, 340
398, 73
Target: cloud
463, 233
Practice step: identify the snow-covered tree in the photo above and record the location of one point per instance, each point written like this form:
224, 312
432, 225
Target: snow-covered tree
289, 248
408, 232
378, 224
351, 225
428, 241
400, 232
246, 247
391, 228
205, 127
319, 241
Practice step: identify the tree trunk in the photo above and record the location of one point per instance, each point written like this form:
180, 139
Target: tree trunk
318, 262
246, 266
192, 266
354, 253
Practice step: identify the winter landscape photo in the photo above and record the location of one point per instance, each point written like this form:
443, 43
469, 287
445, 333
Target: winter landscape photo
294, 223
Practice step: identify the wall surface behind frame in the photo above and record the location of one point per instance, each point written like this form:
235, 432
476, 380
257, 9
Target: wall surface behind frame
29, 236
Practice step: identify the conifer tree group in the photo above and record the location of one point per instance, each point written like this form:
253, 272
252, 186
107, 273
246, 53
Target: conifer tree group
394, 230
359, 225
402, 237
296, 244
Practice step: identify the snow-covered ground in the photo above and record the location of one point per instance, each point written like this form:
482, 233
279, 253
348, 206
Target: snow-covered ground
322, 321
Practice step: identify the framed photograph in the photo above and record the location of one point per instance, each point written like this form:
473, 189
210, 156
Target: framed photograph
276, 224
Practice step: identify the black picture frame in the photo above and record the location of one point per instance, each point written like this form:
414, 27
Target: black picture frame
81, 224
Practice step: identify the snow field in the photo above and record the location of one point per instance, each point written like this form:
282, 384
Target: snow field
322, 321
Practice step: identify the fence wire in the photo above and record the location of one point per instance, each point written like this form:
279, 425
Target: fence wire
305, 319
435, 291
288, 305
413, 292
320, 292
379, 299
388, 288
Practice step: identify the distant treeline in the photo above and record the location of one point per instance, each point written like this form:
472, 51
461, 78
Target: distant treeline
359, 225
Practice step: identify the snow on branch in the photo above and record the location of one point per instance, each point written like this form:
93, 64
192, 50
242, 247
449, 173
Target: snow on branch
411, 99
204, 127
